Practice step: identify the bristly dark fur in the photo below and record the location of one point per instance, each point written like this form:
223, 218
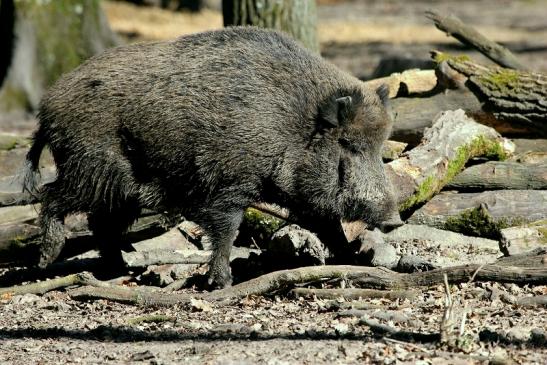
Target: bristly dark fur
205, 125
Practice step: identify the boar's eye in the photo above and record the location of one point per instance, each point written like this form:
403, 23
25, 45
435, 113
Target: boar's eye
346, 144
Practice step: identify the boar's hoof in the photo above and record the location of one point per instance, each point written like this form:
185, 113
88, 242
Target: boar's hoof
390, 224
220, 275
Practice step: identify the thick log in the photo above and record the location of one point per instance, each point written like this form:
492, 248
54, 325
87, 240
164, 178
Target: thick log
19, 242
166, 256
468, 35
453, 139
518, 97
495, 175
407, 83
482, 214
18, 214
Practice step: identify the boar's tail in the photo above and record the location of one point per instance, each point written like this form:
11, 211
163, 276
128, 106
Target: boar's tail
32, 172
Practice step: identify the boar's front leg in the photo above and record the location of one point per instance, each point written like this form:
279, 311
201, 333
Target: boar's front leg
220, 225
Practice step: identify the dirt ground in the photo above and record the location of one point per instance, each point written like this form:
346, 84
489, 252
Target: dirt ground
54, 329
356, 35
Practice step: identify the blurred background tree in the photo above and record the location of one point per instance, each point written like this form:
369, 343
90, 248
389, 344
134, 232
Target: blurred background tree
295, 17
42, 39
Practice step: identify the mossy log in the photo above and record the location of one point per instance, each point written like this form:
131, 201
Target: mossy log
297, 18
495, 175
510, 101
453, 139
514, 96
482, 214
45, 39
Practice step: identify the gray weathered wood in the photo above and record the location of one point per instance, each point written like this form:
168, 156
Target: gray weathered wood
453, 139
494, 175
499, 208
518, 97
163, 256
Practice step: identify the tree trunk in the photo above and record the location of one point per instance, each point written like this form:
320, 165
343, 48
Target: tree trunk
42, 40
295, 17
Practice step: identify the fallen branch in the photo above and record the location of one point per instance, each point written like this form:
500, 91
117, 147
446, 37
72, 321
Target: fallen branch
535, 301
364, 277
391, 332
468, 35
84, 278
353, 293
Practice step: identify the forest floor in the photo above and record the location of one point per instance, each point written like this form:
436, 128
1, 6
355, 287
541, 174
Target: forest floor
54, 328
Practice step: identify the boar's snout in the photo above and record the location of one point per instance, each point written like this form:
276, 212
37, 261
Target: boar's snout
391, 223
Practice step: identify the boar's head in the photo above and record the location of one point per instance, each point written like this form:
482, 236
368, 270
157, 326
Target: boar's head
342, 174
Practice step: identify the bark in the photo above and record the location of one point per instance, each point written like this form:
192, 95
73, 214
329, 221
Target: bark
512, 102
48, 38
495, 175
453, 139
295, 17
517, 97
482, 214
466, 34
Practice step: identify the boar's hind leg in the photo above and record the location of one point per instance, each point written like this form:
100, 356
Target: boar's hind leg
51, 219
221, 227
109, 225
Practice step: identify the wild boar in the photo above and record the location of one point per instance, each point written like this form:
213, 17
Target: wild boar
205, 125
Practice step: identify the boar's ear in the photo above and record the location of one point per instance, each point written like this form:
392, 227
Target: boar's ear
336, 112
383, 93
